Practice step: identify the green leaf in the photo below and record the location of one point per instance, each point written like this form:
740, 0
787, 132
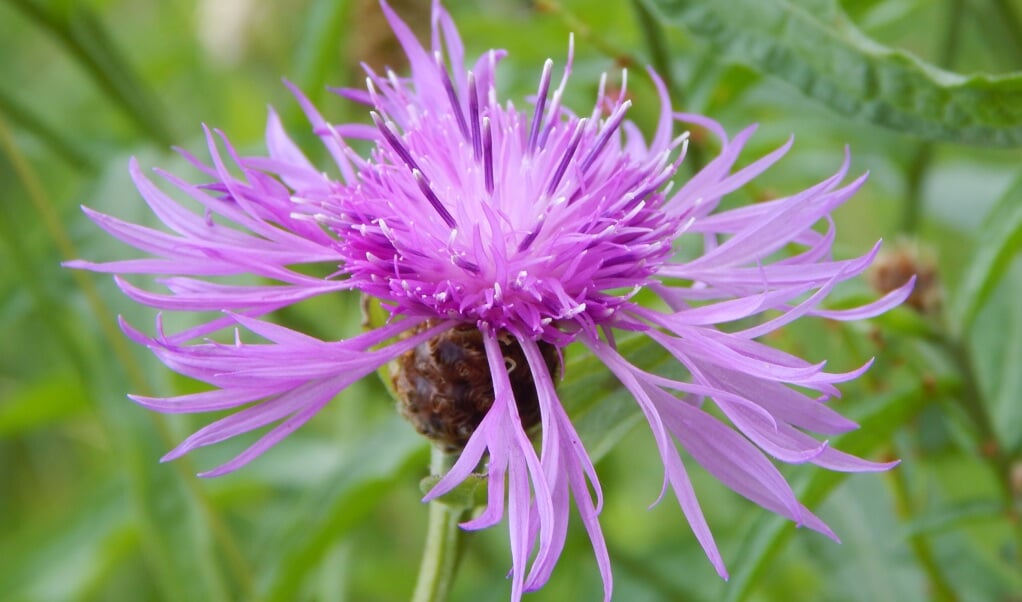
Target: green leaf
85, 39
470, 493
600, 408
952, 515
176, 525
319, 44
995, 343
71, 547
812, 45
772, 532
175, 534
59, 140
366, 475
999, 241
40, 404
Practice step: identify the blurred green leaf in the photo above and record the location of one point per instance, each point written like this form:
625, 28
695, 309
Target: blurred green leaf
600, 408
81, 32
64, 146
950, 515
327, 514
903, 320
320, 46
1000, 240
470, 493
995, 344
771, 532
176, 536
40, 404
812, 45
1002, 30
55, 559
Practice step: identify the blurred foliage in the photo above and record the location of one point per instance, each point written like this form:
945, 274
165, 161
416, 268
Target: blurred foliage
928, 95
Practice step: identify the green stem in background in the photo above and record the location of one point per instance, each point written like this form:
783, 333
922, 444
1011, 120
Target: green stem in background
923, 156
660, 56
445, 540
771, 533
972, 402
971, 397
656, 44
63, 146
1009, 22
82, 34
912, 207
28, 178
581, 29
317, 51
942, 590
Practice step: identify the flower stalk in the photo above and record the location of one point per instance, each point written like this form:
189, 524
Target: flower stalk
972, 402
445, 540
941, 588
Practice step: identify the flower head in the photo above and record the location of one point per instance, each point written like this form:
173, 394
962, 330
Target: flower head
516, 232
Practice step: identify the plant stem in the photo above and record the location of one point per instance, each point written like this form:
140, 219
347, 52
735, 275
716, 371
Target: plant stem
942, 590
660, 56
971, 401
917, 168
64, 146
86, 40
444, 541
923, 155
656, 43
584, 32
1010, 22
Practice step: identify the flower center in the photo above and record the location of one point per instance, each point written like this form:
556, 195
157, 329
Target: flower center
445, 388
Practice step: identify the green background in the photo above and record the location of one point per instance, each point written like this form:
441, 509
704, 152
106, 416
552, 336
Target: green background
88, 513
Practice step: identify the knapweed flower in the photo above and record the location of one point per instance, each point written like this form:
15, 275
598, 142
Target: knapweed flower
518, 232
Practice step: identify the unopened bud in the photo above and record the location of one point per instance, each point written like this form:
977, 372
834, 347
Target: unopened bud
893, 268
444, 386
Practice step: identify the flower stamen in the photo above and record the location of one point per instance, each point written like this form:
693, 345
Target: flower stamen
434, 200
541, 96
452, 95
609, 127
576, 137
473, 117
487, 155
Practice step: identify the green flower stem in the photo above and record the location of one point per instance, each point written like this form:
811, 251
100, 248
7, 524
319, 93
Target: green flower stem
917, 168
86, 40
941, 589
656, 44
1009, 20
923, 156
63, 145
316, 55
972, 402
445, 541
584, 32
32, 184
660, 56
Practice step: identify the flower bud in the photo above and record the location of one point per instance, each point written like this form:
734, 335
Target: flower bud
444, 386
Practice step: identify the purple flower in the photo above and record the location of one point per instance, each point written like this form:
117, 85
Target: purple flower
528, 230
